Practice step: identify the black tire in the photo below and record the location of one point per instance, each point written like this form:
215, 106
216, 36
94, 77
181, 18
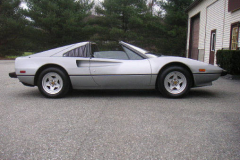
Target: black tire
56, 87
174, 82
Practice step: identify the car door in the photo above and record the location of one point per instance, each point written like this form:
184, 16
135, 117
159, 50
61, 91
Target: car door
121, 71
76, 62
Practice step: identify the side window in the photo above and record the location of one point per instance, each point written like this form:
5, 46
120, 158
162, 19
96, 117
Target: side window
132, 55
111, 55
82, 51
115, 52
94, 48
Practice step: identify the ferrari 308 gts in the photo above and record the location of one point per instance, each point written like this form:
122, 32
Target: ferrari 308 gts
83, 66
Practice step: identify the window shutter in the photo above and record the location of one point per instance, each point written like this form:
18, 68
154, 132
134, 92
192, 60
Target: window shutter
233, 5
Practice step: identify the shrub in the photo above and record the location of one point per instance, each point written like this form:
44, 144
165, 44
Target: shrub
229, 60
7, 50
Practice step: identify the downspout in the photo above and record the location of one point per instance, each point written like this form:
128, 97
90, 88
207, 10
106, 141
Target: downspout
224, 22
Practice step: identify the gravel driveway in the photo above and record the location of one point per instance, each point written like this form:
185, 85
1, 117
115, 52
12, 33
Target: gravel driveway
118, 124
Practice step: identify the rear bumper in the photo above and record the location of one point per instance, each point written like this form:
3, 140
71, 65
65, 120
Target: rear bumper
224, 73
13, 75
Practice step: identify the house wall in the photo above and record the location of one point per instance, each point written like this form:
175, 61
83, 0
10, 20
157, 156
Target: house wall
230, 17
213, 15
214, 21
200, 8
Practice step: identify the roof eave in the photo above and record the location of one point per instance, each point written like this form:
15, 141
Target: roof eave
195, 3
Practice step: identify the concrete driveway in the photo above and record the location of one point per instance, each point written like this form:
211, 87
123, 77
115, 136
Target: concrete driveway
118, 124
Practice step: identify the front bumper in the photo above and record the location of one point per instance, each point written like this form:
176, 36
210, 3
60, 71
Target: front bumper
13, 75
224, 73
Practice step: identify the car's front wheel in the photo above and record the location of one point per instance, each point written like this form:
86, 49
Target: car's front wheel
53, 83
174, 82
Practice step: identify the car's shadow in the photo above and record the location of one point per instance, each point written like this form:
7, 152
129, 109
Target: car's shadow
114, 93
194, 93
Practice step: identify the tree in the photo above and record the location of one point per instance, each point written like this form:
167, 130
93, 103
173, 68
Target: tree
128, 20
175, 27
59, 22
121, 18
12, 27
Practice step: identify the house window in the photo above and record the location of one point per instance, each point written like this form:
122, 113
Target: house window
213, 41
235, 37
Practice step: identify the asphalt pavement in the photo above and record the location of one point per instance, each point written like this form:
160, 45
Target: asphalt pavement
118, 124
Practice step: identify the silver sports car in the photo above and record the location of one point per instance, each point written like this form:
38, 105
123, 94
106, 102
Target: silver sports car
83, 66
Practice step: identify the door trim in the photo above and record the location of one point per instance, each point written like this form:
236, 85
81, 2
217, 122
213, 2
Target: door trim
211, 49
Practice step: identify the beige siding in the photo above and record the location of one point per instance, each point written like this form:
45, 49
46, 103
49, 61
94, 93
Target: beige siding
213, 15
200, 8
230, 17
215, 20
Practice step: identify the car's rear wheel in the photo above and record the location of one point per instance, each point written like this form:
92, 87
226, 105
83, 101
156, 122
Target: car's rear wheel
174, 82
53, 83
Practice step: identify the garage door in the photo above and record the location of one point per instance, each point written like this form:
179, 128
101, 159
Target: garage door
194, 37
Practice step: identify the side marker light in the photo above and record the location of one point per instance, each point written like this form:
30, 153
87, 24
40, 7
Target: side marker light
202, 70
22, 71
